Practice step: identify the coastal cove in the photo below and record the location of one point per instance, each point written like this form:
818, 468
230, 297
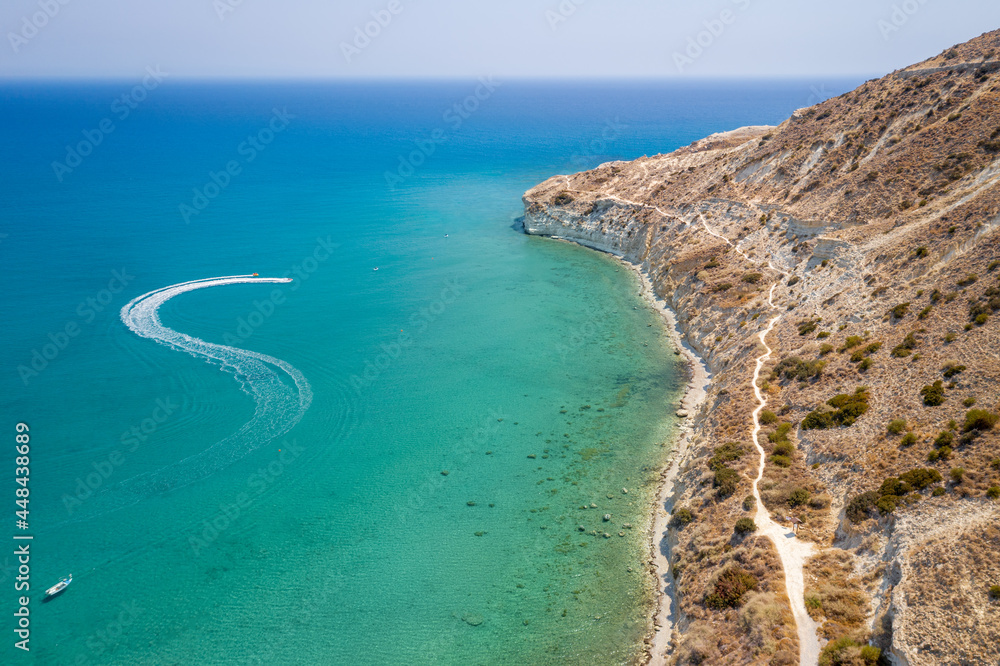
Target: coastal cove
479, 468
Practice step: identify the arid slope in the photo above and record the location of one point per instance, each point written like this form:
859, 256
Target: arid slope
879, 213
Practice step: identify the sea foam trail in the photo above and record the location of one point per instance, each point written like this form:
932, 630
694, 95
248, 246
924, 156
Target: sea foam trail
280, 404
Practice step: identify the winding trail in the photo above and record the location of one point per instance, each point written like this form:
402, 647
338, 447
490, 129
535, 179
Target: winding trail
792, 551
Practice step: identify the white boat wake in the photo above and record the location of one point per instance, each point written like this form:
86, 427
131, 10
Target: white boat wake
280, 403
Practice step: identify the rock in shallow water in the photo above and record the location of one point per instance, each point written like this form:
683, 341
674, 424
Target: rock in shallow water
474, 619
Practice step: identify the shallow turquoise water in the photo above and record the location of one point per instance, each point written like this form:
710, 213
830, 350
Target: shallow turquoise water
526, 369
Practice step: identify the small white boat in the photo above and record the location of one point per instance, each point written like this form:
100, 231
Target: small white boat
375, 269
59, 587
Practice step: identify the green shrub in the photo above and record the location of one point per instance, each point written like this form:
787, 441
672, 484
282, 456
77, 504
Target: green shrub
858, 356
899, 311
726, 453
784, 448
768, 417
909, 439
923, 314
733, 583
944, 438
798, 497
993, 492
969, 402
921, 252
861, 505
825, 349
823, 335
904, 348
562, 199
977, 308
979, 419
847, 652
849, 407
726, 480
794, 280
933, 394
981, 319
749, 503
780, 433
872, 348
887, 504
920, 478
753, 278
722, 286
851, 342
795, 368
995, 591
807, 326
864, 365
952, 369
781, 461
995, 463
895, 486
682, 516
944, 453
712, 263
896, 426
957, 473
817, 420
937, 492
968, 280
745, 526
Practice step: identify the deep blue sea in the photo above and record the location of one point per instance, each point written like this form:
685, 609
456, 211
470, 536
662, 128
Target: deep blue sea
420, 498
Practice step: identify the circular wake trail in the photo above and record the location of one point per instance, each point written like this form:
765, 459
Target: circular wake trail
280, 403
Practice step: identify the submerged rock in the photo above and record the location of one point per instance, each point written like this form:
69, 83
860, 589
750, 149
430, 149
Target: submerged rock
474, 619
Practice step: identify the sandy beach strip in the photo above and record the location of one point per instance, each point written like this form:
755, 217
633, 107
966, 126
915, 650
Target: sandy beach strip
666, 611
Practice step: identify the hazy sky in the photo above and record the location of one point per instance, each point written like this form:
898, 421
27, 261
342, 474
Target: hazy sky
459, 38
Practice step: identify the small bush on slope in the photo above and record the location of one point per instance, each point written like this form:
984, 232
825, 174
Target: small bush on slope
729, 589
849, 407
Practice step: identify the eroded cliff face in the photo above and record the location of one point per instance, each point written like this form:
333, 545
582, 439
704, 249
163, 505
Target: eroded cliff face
873, 217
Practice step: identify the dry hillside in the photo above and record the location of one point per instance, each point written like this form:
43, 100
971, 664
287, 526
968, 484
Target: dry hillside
875, 217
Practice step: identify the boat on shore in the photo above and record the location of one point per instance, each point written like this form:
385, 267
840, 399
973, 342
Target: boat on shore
59, 587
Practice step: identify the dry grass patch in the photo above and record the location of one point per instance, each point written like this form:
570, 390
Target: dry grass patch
834, 596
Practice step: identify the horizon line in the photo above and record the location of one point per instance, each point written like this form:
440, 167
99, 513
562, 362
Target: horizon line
434, 78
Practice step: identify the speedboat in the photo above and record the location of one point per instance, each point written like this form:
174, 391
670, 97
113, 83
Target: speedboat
59, 587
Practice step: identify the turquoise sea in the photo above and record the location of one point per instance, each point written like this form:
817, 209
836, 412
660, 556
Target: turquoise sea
420, 498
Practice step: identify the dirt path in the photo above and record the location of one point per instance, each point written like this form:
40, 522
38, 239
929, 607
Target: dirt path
793, 552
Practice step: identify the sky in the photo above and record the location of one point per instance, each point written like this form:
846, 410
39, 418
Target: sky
470, 38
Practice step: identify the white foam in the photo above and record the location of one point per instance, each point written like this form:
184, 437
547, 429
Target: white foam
280, 404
